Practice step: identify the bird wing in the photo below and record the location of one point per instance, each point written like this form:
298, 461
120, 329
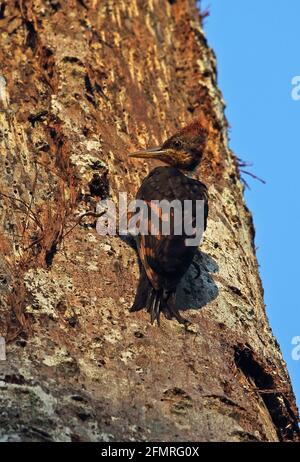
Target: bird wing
166, 257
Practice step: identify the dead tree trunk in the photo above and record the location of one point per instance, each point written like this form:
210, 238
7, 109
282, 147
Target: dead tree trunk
82, 84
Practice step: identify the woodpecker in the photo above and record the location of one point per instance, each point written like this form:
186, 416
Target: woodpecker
164, 259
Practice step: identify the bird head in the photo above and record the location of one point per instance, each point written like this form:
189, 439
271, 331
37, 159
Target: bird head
183, 150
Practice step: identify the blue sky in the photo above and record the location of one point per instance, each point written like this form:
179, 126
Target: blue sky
257, 47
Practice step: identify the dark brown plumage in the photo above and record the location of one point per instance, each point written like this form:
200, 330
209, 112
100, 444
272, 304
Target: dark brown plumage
166, 258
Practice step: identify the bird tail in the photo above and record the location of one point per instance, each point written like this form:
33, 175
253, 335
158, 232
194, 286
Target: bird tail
155, 301
142, 292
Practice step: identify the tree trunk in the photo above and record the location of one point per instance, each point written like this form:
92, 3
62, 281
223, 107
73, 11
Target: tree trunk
82, 84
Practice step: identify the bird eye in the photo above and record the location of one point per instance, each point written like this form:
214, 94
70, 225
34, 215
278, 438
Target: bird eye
177, 143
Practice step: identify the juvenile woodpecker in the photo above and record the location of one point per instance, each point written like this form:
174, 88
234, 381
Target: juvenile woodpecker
165, 258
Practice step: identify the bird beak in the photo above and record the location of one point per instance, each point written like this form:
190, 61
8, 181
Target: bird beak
153, 153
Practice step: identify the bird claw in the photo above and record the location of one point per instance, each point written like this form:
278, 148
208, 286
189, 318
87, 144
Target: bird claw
174, 313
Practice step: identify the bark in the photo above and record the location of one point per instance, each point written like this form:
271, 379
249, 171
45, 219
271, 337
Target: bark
82, 84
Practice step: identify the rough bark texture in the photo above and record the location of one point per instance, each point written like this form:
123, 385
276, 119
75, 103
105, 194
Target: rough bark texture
82, 84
